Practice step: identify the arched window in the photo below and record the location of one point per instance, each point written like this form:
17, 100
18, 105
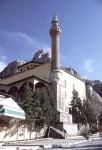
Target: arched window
3, 91
41, 87
14, 92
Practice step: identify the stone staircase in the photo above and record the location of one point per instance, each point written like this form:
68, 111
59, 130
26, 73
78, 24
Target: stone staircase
54, 133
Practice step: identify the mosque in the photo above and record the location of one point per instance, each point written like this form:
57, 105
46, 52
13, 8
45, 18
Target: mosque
45, 73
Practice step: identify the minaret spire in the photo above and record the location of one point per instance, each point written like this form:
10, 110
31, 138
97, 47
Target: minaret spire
55, 18
55, 48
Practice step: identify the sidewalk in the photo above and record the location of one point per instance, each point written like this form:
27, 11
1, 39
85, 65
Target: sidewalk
49, 143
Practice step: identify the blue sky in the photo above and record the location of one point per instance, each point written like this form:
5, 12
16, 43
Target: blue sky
25, 24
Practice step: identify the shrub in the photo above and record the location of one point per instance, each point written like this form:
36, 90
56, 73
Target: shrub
85, 131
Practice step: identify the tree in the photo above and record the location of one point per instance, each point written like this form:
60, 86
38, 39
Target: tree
95, 102
48, 107
39, 107
76, 104
33, 109
50, 111
26, 100
88, 113
30, 103
100, 118
82, 112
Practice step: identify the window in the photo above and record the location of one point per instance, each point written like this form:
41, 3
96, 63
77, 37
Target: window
65, 94
73, 87
70, 110
65, 83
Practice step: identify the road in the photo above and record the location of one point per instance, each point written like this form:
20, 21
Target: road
94, 145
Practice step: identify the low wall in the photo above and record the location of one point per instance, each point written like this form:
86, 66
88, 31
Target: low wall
71, 129
16, 131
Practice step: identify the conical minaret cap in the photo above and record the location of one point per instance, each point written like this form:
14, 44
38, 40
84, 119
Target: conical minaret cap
55, 18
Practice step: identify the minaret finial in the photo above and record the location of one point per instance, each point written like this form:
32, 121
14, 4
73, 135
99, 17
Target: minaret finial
55, 18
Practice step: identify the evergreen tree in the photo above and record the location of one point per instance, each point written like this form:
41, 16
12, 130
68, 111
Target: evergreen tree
30, 103
83, 112
33, 110
100, 118
25, 96
50, 110
88, 113
76, 104
39, 107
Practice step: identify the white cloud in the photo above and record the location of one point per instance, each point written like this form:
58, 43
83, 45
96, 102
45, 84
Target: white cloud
89, 65
25, 40
3, 60
2, 65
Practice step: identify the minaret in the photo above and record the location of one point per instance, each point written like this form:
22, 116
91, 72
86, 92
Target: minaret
55, 48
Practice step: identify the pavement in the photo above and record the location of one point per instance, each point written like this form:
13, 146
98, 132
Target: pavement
47, 143
92, 145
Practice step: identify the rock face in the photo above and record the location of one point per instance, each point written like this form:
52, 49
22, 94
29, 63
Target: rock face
95, 99
41, 56
11, 69
73, 71
97, 86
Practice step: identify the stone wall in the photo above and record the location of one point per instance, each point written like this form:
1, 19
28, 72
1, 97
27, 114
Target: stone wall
65, 86
16, 131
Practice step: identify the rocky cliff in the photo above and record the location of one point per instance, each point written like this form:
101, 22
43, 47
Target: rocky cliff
11, 69
96, 85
